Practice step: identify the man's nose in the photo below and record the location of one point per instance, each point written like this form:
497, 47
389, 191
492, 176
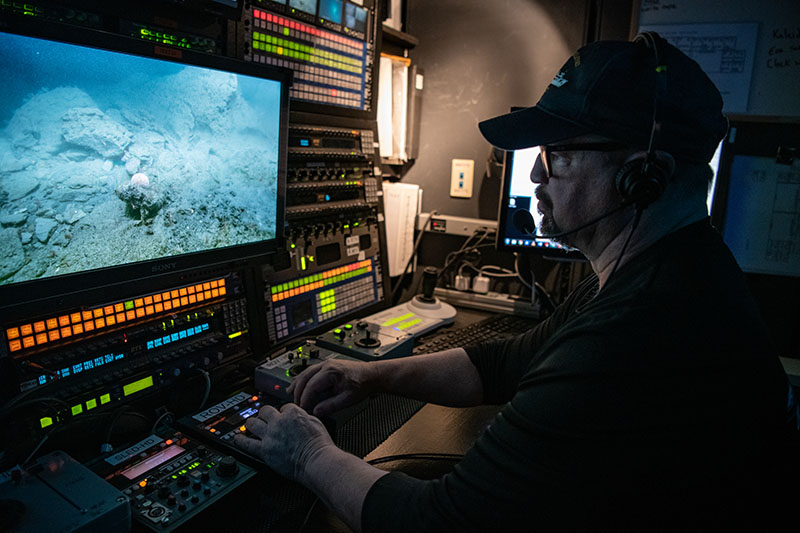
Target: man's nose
538, 174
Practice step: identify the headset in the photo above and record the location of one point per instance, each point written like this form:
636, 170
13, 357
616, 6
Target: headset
641, 181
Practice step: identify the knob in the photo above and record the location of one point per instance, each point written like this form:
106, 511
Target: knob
202, 451
339, 333
184, 493
171, 499
197, 485
183, 481
227, 467
195, 499
206, 490
163, 491
181, 506
205, 476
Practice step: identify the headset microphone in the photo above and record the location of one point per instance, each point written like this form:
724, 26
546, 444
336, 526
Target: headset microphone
523, 221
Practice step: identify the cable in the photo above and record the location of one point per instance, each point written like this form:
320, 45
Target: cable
207, 392
159, 419
420, 456
413, 254
122, 412
636, 217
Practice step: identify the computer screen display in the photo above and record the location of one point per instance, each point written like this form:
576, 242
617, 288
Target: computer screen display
355, 18
109, 158
518, 195
307, 6
331, 10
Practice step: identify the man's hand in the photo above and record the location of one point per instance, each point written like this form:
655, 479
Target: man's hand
290, 440
333, 385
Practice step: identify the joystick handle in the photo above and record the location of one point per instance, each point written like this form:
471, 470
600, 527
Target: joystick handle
429, 276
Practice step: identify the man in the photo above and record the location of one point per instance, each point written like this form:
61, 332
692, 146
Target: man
650, 399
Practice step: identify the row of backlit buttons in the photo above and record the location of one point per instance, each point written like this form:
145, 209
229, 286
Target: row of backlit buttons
316, 281
64, 326
293, 28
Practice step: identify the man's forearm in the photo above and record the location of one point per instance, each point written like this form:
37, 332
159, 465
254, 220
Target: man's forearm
445, 378
341, 481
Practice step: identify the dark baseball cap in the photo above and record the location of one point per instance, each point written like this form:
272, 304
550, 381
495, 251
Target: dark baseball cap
609, 88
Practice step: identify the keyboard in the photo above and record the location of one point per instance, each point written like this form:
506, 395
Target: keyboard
495, 327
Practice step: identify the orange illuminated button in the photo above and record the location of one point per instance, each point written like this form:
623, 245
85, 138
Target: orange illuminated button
243, 428
39, 327
63, 320
27, 342
143, 483
213, 430
12, 333
168, 442
97, 312
255, 398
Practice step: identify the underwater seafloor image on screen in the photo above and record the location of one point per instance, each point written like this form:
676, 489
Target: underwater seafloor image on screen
107, 159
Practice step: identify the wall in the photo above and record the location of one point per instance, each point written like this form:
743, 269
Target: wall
480, 58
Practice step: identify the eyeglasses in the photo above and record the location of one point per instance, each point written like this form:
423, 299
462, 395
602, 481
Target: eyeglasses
578, 147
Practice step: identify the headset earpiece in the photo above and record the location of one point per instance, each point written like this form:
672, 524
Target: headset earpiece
642, 180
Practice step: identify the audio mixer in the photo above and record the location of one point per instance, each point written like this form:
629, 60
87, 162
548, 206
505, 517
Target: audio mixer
169, 479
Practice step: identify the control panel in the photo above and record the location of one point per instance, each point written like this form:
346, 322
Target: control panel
226, 419
367, 341
170, 479
273, 376
330, 51
94, 356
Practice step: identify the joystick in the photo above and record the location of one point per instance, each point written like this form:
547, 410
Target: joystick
367, 341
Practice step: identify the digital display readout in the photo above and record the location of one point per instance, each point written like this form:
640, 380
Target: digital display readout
152, 462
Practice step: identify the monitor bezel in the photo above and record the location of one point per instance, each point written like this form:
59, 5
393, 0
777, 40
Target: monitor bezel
45, 288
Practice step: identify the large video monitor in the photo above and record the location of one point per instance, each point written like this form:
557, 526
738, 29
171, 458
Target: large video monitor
121, 160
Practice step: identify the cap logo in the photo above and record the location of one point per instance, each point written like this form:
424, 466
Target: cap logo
559, 80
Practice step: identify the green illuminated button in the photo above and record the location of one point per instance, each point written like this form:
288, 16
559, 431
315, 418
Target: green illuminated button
91, 404
104, 399
137, 386
339, 333
46, 421
77, 409
348, 327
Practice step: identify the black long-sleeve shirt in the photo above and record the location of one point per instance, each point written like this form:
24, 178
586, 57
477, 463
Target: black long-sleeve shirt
656, 402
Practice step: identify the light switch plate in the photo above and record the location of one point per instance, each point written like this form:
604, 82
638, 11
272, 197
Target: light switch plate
461, 178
